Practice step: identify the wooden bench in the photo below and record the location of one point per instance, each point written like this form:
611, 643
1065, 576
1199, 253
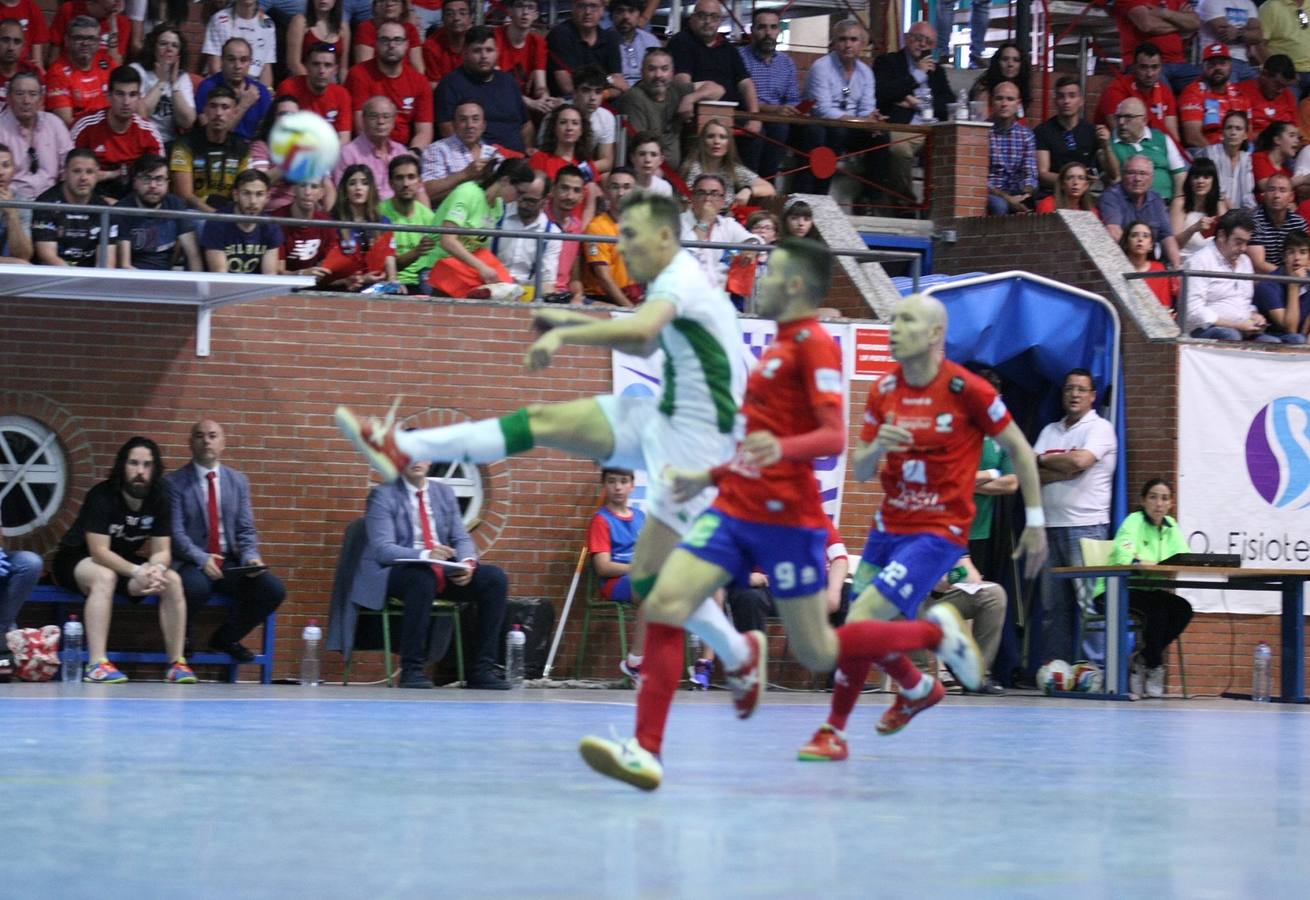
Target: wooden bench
64, 601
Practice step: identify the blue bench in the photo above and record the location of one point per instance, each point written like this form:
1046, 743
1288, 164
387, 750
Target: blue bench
63, 600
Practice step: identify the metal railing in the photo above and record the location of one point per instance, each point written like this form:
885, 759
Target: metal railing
108, 213
1180, 305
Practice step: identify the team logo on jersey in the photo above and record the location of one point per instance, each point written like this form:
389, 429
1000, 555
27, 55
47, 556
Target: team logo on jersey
827, 381
996, 411
957, 384
887, 385
770, 368
802, 336
914, 471
945, 423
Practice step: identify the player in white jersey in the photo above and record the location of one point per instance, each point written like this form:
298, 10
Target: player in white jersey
691, 425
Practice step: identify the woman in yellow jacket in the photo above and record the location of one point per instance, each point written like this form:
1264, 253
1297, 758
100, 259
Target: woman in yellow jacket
1149, 536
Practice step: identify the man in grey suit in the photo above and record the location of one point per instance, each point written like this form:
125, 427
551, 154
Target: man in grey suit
206, 556
413, 517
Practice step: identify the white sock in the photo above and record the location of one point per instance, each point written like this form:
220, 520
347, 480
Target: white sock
476, 442
920, 690
713, 627
635, 661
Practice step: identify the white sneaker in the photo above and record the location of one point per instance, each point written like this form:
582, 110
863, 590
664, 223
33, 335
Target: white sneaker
1155, 682
502, 291
1137, 679
623, 760
958, 648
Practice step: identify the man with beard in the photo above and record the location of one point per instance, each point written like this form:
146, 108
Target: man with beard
247, 247
150, 243
390, 75
659, 105
1143, 82
415, 252
778, 89
634, 41
1206, 101
121, 544
73, 238
505, 112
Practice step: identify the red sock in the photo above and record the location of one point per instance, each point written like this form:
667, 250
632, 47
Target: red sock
902, 671
660, 672
846, 687
876, 641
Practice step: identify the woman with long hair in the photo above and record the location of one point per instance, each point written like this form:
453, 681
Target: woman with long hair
1275, 151
147, 15
323, 22
167, 96
365, 36
1008, 63
1072, 191
1150, 536
715, 153
1138, 244
465, 266
798, 220
1194, 212
566, 140
363, 256
261, 158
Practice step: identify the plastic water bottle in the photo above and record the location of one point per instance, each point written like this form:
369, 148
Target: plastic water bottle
71, 656
962, 106
309, 661
516, 643
1262, 673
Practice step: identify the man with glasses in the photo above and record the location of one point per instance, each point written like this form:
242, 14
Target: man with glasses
580, 41
1132, 200
522, 256
389, 74
317, 90
1144, 83
150, 243
1076, 457
1167, 23
705, 221
374, 147
117, 135
840, 86
1286, 26
911, 88
1132, 137
776, 85
114, 29
701, 54
253, 96
1067, 137
38, 140
78, 81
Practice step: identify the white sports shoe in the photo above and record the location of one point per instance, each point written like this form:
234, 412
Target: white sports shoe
623, 760
1137, 678
1155, 682
501, 291
958, 648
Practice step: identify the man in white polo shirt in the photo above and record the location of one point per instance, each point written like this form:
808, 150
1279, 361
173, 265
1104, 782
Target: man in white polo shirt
1075, 458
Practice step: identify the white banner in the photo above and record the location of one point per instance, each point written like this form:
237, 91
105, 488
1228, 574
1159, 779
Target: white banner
1244, 464
635, 376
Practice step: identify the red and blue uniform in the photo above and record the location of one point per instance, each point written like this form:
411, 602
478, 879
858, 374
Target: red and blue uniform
927, 509
772, 519
616, 535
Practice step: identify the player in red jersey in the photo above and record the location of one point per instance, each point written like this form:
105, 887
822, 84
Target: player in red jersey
768, 515
928, 417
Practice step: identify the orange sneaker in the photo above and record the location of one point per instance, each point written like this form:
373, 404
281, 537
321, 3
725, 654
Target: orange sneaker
747, 683
827, 745
903, 710
376, 439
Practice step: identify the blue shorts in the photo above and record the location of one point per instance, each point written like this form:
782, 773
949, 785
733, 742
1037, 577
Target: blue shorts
795, 559
905, 567
619, 589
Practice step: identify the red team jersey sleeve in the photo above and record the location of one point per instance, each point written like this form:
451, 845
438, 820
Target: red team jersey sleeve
929, 487
599, 539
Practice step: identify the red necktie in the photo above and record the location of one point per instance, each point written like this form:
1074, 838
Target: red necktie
215, 548
429, 541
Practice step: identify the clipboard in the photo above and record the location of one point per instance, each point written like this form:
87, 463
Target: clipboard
444, 563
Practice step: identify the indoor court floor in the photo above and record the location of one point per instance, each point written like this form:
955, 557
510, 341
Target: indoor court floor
151, 790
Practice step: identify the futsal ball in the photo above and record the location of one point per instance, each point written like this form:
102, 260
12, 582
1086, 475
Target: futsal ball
304, 146
1056, 675
1087, 677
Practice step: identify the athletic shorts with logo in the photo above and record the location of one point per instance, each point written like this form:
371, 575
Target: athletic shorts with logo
904, 567
794, 558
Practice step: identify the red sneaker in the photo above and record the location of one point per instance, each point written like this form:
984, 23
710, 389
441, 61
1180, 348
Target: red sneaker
903, 710
747, 683
827, 745
375, 439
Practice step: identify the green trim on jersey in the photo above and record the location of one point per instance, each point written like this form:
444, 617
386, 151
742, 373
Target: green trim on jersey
715, 368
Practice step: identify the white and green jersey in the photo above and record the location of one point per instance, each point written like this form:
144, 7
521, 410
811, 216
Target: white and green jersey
704, 365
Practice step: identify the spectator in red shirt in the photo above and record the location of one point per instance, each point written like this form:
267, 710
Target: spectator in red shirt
365, 39
1275, 152
443, 51
114, 28
117, 135
321, 23
12, 46
1206, 101
1138, 244
317, 90
1144, 83
29, 14
1166, 23
78, 82
1270, 93
522, 53
390, 76
304, 247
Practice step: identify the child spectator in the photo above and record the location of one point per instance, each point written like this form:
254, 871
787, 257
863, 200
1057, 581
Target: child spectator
647, 158
589, 86
1285, 306
1138, 244
798, 220
746, 267
611, 540
304, 247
